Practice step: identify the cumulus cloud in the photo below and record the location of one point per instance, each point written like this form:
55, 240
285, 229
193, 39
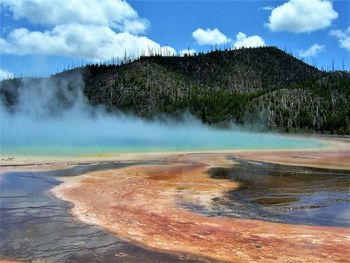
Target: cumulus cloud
300, 16
117, 14
343, 37
81, 41
92, 30
189, 52
243, 41
165, 51
312, 51
209, 37
5, 74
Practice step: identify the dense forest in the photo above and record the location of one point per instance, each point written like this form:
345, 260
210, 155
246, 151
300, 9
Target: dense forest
263, 87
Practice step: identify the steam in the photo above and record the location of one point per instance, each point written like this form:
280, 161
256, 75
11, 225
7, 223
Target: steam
52, 116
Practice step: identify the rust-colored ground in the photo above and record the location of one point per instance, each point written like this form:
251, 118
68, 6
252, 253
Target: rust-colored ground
141, 204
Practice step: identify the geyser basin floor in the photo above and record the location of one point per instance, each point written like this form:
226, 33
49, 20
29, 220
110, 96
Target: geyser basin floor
281, 193
334, 159
145, 204
36, 226
141, 204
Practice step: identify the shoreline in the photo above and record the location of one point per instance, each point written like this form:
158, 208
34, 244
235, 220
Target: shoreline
7, 160
337, 160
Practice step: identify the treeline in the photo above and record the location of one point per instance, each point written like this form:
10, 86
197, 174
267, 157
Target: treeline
265, 87
262, 86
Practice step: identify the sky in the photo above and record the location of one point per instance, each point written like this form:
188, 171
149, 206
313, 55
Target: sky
43, 37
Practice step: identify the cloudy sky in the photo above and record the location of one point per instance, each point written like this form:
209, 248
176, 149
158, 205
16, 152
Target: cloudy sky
40, 37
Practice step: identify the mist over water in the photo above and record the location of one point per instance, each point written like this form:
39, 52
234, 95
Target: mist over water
52, 117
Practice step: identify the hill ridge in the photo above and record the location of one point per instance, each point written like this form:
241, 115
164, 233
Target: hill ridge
261, 85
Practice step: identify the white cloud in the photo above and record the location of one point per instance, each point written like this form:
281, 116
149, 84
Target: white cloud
5, 74
209, 37
189, 52
343, 37
243, 41
93, 30
116, 14
299, 16
81, 41
267, 8
166, 50
312, 51
136, 26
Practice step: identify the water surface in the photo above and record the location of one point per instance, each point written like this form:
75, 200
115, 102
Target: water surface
159, 141
281, 193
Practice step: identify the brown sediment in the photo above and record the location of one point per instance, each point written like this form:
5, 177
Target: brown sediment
141, 204
330, 159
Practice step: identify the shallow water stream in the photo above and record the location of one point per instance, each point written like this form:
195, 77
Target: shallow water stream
288, 194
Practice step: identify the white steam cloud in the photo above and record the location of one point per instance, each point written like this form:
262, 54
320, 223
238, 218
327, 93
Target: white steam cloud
52, 116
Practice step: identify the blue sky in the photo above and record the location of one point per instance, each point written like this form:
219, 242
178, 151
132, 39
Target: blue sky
41, 37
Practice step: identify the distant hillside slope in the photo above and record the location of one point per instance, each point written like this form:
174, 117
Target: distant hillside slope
263, 86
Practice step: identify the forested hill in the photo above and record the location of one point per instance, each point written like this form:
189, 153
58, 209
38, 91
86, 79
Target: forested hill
263, 86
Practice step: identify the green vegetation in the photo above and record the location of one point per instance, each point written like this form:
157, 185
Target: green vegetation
263, 86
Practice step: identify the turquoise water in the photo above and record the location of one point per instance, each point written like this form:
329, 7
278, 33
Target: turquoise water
168, 140
40, 124
78, 134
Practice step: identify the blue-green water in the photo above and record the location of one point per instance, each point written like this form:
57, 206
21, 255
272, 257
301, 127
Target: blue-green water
161, 140
77, 134
41, 124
